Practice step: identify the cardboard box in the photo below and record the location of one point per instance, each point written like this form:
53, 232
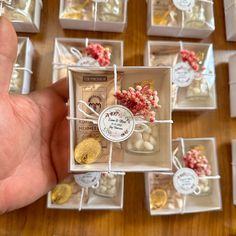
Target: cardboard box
203, 202
92, 22
21, 77
64, 57
24, 15
93, 201
122, 160
173, 22
164, 53
232, 84
230, 17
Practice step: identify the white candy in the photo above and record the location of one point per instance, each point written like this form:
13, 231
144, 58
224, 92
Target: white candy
148, 146
102, 189
136, 136
139, 144
206, 189
179, 202
148, 130
170, 206
152, 140
146, 136
111, 182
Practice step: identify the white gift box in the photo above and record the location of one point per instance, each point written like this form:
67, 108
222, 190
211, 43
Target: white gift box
123, 160
24, 15
164, 53
232, 84
234, 170
180, 23
230, 18
193, 203
64, 56
94, 22
21, 76
93, 201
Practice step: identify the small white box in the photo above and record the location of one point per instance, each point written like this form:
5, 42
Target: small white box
21, 77
94, 23
234, 170
122, 160
202, 203
167, 53
64, 57
24, 17
92, 201
232, 84
230, 18
173, 22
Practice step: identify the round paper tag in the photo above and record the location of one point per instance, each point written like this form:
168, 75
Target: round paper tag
184, 5
185, 181
116, 123
183, 74
88, 61
87, 180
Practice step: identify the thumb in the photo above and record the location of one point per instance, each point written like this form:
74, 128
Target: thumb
8, 50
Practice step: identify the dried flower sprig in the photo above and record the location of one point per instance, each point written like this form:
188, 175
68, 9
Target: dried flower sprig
142, 101
192, 59
195, 160
99, 53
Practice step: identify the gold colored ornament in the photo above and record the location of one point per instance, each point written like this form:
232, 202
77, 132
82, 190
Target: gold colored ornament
158, 199
88, 151
61, 193
161, 19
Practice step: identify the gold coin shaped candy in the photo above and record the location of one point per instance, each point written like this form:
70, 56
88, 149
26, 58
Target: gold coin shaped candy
88, 151
158, 199
61, 193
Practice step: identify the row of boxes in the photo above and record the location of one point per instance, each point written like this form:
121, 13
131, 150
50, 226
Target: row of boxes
165, 17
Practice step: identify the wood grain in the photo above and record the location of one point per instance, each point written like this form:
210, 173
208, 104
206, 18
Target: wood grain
134, 219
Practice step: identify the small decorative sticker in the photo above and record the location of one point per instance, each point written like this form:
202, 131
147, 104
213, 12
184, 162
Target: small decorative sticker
88, 61
88, 180
184, 5
185, 181
116, 123
183, 74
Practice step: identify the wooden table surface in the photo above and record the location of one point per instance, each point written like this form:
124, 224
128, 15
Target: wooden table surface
134, 219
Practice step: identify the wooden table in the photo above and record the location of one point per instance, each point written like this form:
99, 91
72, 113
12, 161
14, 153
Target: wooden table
134, 219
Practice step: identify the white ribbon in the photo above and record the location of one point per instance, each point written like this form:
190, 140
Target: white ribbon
96, 10
178, 166
17, 67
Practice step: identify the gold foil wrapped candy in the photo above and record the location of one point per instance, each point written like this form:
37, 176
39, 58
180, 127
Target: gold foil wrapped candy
61, 193
88, 151
158, 199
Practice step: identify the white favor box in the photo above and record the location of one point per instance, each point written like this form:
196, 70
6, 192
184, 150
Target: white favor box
32, 25
23, 65
95, 202
234, 170
180, 30
230, 18
170, 51
91, 24
63, 46
232, 84
122, 160
194, 204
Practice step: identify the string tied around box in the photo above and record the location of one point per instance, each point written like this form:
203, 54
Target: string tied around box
89, 180
22, 68
129, 121
195, 69
179, 166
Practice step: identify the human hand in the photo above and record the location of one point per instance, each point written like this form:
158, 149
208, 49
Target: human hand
34, 146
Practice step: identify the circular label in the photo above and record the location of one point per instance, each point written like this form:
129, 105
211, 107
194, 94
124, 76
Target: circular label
87, 61
185, 181
87, 180
183, 74
184, 5
116, 123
